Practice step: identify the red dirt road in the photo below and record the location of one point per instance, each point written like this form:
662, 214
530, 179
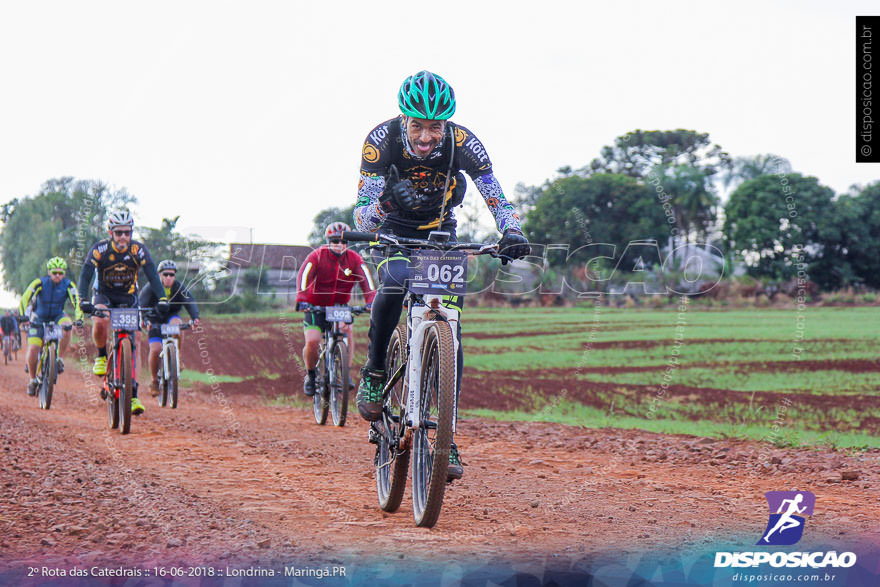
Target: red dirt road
254, 483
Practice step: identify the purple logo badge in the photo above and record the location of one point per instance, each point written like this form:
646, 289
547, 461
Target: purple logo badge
788, 511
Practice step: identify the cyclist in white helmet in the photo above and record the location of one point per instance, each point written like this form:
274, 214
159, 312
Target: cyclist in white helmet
116, 261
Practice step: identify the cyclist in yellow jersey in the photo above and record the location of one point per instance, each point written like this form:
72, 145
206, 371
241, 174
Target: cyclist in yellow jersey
47, 295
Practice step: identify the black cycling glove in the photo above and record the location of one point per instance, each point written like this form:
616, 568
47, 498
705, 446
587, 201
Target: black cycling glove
86, 306
513, 245
399, 194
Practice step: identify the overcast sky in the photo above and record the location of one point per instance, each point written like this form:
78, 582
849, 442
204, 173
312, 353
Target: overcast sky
251, 115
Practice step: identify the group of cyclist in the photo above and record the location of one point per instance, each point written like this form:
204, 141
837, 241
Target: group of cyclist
412, 176
113, 264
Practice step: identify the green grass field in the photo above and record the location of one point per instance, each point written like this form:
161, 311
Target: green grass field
726, 373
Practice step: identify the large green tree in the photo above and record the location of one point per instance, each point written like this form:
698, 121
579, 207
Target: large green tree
681, 165
64, 219
638, 152
745, 168
854, 240
772, 220
601, 209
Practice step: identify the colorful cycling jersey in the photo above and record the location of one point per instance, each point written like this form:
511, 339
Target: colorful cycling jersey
326, 279
178, 298
49, 299
117, 271
384, 147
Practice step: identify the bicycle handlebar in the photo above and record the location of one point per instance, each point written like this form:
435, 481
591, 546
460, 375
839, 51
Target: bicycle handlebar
354, 309
381, 238
105, 313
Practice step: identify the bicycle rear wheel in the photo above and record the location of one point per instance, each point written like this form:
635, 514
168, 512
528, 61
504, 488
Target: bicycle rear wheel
47, 385
339, 383
433, 437
321, 401
392, 462
125, 386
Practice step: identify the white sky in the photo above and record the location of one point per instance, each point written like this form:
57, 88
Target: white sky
251, 115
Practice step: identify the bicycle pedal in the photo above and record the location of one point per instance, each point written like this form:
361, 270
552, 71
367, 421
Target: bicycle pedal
429, 425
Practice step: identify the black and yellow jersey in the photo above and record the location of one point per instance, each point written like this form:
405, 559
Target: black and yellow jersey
117, 271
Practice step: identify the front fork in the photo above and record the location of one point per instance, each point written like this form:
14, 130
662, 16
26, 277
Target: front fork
166, 344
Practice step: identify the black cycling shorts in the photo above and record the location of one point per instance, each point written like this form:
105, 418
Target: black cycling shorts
115, 300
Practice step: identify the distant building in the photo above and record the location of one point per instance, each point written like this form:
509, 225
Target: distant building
280, 264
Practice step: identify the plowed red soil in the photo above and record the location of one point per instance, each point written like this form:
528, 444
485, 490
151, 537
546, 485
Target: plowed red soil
227, 477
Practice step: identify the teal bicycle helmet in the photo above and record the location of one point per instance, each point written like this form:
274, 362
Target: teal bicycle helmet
426, 95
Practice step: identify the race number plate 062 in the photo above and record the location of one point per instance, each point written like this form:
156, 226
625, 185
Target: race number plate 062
338, 314
438, 272
124, 319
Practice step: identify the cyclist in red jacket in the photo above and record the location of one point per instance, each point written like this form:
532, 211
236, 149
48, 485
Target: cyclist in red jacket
326, 278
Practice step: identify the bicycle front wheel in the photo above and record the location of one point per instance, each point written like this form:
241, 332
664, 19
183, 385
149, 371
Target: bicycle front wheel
111, 386
321, 401
48, 375
339, 383
171, 378
433, 437
125, 386
392, 461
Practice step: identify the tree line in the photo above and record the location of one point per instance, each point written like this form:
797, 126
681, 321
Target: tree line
665, 186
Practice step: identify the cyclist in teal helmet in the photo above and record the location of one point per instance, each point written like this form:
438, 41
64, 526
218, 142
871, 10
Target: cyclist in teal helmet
411, 166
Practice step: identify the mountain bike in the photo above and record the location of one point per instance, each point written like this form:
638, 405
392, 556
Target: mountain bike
420, 398
331, 382
169, 363
8, 348
47, 364
119, 384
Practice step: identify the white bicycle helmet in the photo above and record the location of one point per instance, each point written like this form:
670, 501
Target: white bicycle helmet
120, 218
166, 265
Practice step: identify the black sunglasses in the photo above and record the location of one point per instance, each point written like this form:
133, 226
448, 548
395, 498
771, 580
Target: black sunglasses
169, 274
122, 232
336, 241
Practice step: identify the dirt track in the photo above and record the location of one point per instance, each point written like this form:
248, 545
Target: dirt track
259, 483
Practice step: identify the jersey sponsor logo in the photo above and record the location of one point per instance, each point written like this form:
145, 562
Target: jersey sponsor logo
478, 150
370, 153
96, 255
119, 276
346, 271
380, 133
460, 137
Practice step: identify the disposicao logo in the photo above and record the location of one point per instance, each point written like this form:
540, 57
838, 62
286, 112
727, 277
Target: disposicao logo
788, 511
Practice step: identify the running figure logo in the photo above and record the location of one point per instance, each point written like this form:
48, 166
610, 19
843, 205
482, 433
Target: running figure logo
786, 525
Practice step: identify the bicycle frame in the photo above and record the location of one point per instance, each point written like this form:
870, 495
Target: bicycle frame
48, 339
418, 321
